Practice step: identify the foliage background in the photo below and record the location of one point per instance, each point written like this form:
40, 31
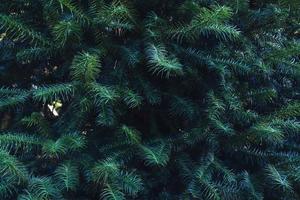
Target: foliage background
181, 99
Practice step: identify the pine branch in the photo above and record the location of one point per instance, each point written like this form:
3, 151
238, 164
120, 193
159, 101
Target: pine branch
265, 133
129, 134
289, 111
53, 92
13, 102
162, 64
208, 22
27, 196
18, 142
85, 67
104, 171
249, 185
106, 116
156, 154
6, 92
104, 94
116, 16
54, 149
74, 141
10, 166
66, 31
131, 183
34, 54
43, 188
37, 120
112, 192
236, 66
277, 179
77, 12
15, 29
7, 187
67, 176
131, 99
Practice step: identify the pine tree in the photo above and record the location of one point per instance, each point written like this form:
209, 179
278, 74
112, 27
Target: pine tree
128, 99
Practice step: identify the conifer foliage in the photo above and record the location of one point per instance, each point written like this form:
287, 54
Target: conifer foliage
130, 99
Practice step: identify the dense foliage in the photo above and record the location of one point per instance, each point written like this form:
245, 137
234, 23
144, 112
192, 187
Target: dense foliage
181, 99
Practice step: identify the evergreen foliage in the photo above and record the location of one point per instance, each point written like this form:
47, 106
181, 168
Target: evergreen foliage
129, 99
